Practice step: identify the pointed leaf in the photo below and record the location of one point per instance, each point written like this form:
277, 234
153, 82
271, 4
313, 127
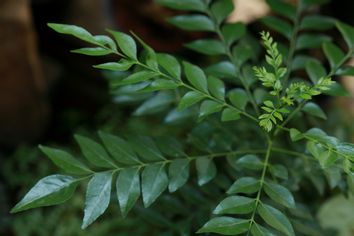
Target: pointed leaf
276, 219
295, 135
189, 99
157, 103
209, 107
128, 189
154, 182
224, 69
333, 53
229, 114
206, 170
98, 195
282, 8
225, 225
192, 22
126, 43
122, 65
250, 162
216, 87
278, 25
279, 194
138, 77
210, 47
98, 51
146, 148
233, 32
258, 230
313, 109
178, 173
317, 22
196, 76
244, 185
308, 41
235, 205
120, 150
170, 64
51, 190
73, 30
65, 161
315, 70
94, 152
239, 98
347, 32
221, 9
187, 5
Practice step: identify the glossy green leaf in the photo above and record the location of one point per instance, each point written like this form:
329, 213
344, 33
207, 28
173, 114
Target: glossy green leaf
309, 3
98, 196
149, 54
241, 54
225, 225
317, 22
106, 41
154, 182
309, 41
206, 170
122, 65
170, 146
196, 76
65, 161
258, 230
145, 147
313, 109
315, 70
73, 30
276, 219
337, 90
192, 22
120, 150
250, 161
223, 69
278, 25
128, 189
347, 32
233, 32
178, 174
187, 5
282, 8
51, 190
216, 87
244, 185
333, 53
295, 135
94, 152
238, 97
160, 84
189, 99
170, 64
156, 103
98, 51
221, 9
138, 77
177, 116
235, 205
279, 194
279, 171
345, 70
126, 43
209, 107
210, 47
229, 114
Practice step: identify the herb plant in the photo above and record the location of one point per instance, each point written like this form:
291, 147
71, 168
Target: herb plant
245, 166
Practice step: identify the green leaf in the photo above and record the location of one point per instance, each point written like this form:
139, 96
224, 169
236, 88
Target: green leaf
149, 54
138, 77
94, 152
210, 47
122, 65
73, 30
239, 98
192, 22
224, 69
347, 32
279, 194
225, 225
206, 170
160, 84
315, 70
209, 107
241, 54
233, 32
216, 87
178, 172
177, 116
244, 185
229, 114
170, 64
146, 147
317, 22
98, 51
221, 9
309, 3
337, 90
250, 161
120, 150
282, 8
170, 146
196, 76
295, 135
333, 53
98, 196
126, 44
258, 230
235, 205
65, 161
186, 5
309, 41
313, 109
51, 190
157, 103
278, 25
189, 99
154, 182
106, 41
345, 70
276, 219
279, 171
128, 189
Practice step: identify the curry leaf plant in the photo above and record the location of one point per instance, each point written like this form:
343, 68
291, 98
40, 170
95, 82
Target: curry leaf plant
241, 167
